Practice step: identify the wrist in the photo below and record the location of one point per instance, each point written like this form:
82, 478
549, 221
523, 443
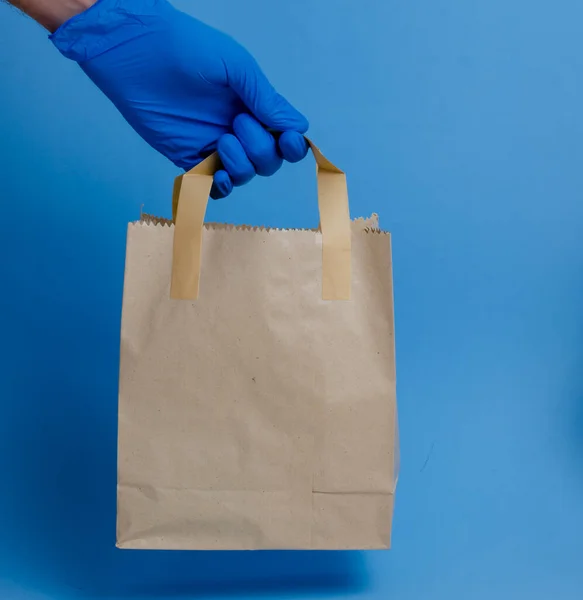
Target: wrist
108, 24
51, 14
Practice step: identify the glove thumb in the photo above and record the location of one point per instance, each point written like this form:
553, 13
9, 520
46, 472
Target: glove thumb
248, 81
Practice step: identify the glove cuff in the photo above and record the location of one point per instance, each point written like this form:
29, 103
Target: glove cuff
104, 25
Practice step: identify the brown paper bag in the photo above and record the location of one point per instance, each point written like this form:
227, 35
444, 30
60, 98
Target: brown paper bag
257, 381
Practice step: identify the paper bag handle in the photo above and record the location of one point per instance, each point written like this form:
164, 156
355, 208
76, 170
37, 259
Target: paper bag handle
189, 203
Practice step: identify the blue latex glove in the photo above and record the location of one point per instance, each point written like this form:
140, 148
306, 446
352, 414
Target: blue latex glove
186, 88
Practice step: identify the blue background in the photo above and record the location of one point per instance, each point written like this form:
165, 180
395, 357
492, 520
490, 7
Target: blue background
461, 123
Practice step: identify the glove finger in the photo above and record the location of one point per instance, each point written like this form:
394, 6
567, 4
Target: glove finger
258, 143
222, 185
247, 79
234, 159
293, 146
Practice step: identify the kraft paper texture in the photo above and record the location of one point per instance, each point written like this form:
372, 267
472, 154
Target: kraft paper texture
258, 416
189, 203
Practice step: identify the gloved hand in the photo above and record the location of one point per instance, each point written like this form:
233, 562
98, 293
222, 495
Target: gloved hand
186, 88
